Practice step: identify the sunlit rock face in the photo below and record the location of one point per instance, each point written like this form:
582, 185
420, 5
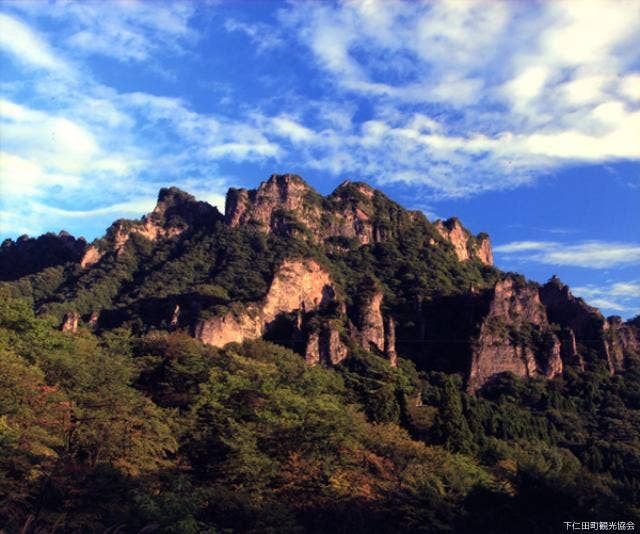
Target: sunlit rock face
297, 285
175, 213
622, 338
286, 205
70, 322
465, 245
498, 323
325, 347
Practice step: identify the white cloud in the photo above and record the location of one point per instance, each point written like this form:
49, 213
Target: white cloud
589, 32
607, 305
460, 97
522, 246
127, 30
60, 144
630, 86
528, 84
626, 289
135, 207
555, 77
241, 151
617, 297
263, 36
18, 39
292, 129
590, 254
585, 89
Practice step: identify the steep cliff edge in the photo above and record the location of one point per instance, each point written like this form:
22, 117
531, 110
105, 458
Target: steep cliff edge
375, 277
515, 336
354, 213
297, 285
175, 213
621, 338
584, 323
465, 245
302, 301
285, 204
369, 327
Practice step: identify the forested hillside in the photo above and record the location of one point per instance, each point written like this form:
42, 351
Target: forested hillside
305, 364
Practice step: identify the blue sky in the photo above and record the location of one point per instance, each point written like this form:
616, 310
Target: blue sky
521, 118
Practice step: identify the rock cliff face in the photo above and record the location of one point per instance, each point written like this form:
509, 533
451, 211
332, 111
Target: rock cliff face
70, 322
325, 346
286, 205
587, 325
515, 336
451, 322
264, 206
569, 349
175, 213
621, 338
465, 245
300, 290
371, 329
297, 285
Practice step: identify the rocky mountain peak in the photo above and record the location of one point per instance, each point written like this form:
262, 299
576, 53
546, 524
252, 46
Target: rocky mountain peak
171, 197
354, 212
348, 188
465, 245
175, 213
607, 341
261, 206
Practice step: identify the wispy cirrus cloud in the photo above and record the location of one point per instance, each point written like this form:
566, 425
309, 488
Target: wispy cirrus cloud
505, 109
126, 30
454, 98
263, 36
105, 150
589, 254
27, 46
620, 297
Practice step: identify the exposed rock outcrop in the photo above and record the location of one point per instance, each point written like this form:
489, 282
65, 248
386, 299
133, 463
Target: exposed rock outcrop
286, 205
93, 319
465, 245
263, 206
325, 346
569, 349
390, 341
91, 256
70, 322
587, 323
301, 288
175, 213
515, 336
371, 329
175, 316
622, 338
297, 285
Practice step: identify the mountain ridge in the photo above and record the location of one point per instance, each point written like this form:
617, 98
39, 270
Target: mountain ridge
317, 257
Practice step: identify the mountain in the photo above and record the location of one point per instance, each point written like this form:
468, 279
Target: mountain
305, 363
321, 275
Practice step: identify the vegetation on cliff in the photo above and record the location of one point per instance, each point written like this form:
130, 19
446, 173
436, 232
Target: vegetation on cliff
161, 431
132, 425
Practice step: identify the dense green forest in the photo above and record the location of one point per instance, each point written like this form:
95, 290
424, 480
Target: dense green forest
162, 433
